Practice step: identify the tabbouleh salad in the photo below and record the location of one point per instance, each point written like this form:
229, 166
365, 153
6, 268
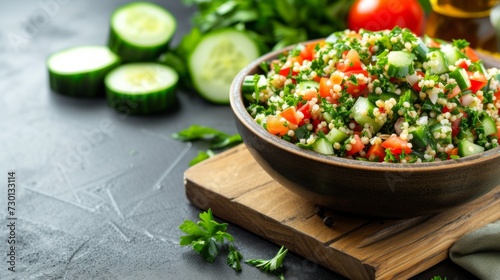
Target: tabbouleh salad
386, 96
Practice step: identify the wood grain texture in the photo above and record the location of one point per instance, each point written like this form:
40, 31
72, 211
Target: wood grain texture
238, 190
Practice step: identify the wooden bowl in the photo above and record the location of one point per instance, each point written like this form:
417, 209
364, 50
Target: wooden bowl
373, 189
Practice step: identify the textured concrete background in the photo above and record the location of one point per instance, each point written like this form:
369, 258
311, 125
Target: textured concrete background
100, 195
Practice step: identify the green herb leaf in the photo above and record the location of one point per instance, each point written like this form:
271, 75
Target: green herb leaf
198, 132
205, 236
274, 265
234, 258
202, 155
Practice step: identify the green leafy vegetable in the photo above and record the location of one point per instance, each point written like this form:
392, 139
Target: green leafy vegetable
217, 140
234, 258
205, 236
202, 155
274, 265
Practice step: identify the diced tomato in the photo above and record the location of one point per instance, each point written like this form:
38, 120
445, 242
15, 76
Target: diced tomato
276, 126
325, 87
351, 62
307, 53
357, 90
306, 111
452, 152
356, 127
471, 54
356, 147
287, 71
498, 131
455, 126
433, 44
477, 81
463, 64
315, 123
376, 152
299, 59
336, 78
290, 114
454, 92
356, 72
415, 85
396, 145
309, 50
309, 94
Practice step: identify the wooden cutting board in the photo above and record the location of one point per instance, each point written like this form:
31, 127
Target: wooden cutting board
238, 190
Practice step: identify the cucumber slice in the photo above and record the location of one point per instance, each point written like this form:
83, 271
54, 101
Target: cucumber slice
80, 71
216, 60
420, 136
323, 146
141, 88
451, 54
251, 85
141, 31
361, 113
439, 65
467, 148
443, 133
400, 64
488, 125
336, 136
461, 77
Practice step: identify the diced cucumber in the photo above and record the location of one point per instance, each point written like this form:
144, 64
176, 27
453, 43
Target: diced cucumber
141, 88
252, 84
441, 133
400, 64
467, 148
439, 65
465, 135
420, 136
461, 77
421, 50
141, 31
361, 111
80, 71
216, 60
327, 117
308, 84
451, 54
336, 136
323, 146
488, 125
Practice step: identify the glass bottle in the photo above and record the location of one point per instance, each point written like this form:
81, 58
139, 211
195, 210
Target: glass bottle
463, 19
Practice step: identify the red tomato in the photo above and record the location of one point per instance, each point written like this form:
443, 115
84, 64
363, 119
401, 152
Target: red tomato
477, 82
396, 145
306, 111
357, 90
291, 115
356, 147
378, 15
351, 62
471, 54
455, 127
275, 126
325, 87
376, 152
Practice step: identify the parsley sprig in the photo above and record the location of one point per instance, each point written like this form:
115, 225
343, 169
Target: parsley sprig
205, 236
217, 140
274, 265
